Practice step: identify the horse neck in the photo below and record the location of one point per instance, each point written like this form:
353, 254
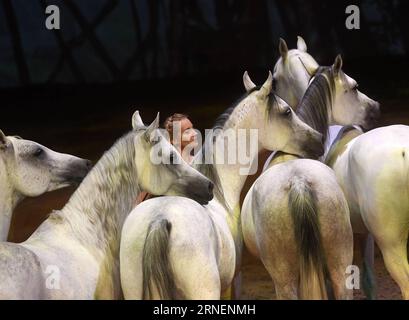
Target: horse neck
9, 199
316, 105
96, 212
232, 177
231, 182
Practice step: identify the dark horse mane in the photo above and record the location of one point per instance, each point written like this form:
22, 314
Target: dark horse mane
317, 101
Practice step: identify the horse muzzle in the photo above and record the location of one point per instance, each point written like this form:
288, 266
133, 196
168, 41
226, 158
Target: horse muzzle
372, 116
77, 172
315, 146
201, 194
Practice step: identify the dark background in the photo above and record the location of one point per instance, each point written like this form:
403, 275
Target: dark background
75, 89
112, 56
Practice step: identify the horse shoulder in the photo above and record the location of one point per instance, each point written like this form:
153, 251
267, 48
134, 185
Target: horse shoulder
65, 258
21, 274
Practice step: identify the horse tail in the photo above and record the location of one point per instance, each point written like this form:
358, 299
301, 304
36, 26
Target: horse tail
312, 268
157, 270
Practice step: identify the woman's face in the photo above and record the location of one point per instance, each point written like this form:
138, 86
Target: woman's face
188, 133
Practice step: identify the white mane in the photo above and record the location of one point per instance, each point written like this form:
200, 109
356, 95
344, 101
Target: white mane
96, 211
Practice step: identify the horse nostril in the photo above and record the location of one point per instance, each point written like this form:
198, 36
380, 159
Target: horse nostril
88, 164
211, 187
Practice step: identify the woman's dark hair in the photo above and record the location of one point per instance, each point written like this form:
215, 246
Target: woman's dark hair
168, 124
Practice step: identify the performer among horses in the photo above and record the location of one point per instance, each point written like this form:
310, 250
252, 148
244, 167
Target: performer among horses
182, 134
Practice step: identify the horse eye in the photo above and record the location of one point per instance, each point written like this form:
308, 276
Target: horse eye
171, 157
287, 112
38, 152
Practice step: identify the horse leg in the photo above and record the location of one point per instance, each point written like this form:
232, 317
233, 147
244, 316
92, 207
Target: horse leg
363, 259
131, 274
338, 246
208, 289
396, 261
227, 294
285, 280
196, 277
338, 280
368, 273
388, 223
233, 292
236, 288
286, 289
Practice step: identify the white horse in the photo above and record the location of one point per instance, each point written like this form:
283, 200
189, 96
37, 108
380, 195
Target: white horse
296, 220
308, 186
373, 169
295, 70
295, 217
292, 73
74, 253
177, 249
28, 169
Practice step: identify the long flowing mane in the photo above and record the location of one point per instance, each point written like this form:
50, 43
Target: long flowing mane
106, 195
317, 101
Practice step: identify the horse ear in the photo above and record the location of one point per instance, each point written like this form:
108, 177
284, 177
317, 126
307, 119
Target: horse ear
3, 140
301, 45
337, 66
283, 49
137, 122
149, 134
248, 84
267, 86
